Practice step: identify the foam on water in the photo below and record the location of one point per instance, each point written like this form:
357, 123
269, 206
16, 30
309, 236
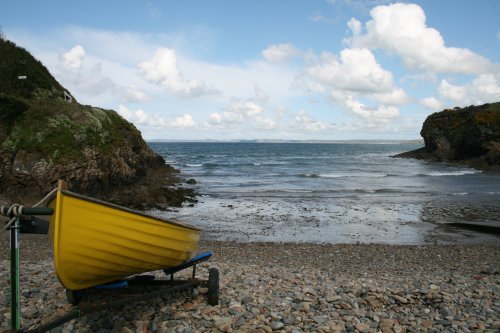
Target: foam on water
317, 192
453, 173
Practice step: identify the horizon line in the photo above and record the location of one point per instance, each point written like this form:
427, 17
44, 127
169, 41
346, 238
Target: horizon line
415, 141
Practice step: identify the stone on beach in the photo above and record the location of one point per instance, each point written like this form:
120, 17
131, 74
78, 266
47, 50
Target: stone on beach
272, 287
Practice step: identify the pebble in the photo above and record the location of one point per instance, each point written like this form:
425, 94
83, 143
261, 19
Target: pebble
293, 288
276, 325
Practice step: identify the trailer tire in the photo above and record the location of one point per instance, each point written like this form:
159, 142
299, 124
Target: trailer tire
213, 286
75, 296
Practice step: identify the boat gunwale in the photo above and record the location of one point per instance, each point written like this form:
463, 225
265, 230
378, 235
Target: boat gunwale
127, 210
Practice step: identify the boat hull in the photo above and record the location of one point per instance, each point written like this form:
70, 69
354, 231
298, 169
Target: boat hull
96, 242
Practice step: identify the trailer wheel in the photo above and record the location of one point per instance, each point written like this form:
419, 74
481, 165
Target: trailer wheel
213, 286
74, 296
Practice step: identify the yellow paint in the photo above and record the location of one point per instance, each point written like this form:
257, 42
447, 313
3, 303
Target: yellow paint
96, 242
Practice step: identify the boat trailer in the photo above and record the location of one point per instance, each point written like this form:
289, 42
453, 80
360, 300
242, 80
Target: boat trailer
28, 220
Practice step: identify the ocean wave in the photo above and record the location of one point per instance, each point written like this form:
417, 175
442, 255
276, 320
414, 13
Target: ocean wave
276, 163
357, 174
450, 173
343, 175
283, 191
230, 165
194, 165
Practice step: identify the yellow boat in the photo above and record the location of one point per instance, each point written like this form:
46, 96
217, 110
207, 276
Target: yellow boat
96, 242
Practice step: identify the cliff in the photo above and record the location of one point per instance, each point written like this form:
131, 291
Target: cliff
45, 135
469, 136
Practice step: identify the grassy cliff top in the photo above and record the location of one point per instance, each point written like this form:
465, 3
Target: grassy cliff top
15, 61
484, 113
34, 117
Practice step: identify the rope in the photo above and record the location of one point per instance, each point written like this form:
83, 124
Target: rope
45, 198
13, 212
16, 210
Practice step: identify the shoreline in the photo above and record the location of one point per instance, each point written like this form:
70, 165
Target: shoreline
294, 287
350, 221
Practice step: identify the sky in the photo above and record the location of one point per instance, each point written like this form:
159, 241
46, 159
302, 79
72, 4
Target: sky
267, 69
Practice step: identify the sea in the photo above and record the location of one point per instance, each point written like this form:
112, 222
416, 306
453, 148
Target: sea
330, 193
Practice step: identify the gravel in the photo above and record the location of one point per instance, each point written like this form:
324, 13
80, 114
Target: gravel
286, 287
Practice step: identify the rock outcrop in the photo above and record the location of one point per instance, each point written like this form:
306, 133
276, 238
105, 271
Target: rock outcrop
469, 136
45, 135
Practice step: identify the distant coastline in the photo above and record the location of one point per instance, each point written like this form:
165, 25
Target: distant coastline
416, 141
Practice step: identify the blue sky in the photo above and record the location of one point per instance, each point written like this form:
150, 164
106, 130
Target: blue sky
322, 69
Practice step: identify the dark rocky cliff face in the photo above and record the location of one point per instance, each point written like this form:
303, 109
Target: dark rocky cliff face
469, 135
44, 138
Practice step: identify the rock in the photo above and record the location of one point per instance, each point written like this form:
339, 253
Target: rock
223, 324
319, 319
400, 299
29, 313
398, 329
386, 324
333, 298
277, 325
363, 327
469, 135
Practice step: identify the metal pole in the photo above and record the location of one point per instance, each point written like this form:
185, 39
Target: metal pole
15, 299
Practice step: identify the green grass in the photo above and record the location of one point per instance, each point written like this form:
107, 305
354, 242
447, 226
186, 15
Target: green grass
35, 118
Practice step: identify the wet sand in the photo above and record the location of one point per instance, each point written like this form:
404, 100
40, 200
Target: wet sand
345, 221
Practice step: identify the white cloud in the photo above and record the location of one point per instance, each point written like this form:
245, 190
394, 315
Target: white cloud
374, 116
357, 73
260, 95
140, 117
448, 90
235, 113
72, 59
396, 96
87, 77
485, 88
280, 52
225, 119
431, 103
355, 26
162, 69
303, 121
356, 70
401, 29
319, 17
264, 123
135, 94
184, 121
240, 110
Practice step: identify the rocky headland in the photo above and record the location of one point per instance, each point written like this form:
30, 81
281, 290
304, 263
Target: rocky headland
46, 135
468, 136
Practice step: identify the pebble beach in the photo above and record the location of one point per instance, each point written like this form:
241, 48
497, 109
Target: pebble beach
287, 287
